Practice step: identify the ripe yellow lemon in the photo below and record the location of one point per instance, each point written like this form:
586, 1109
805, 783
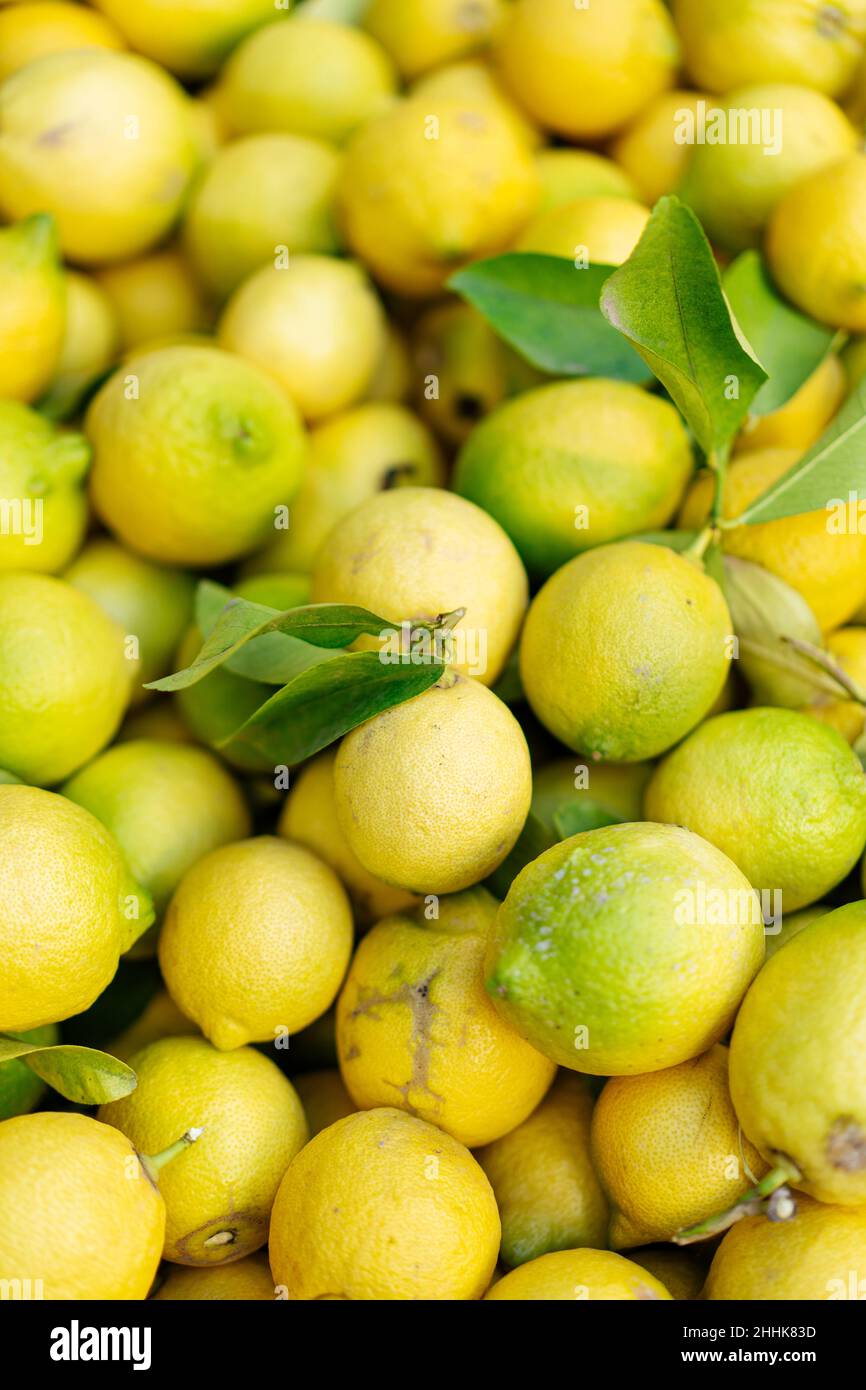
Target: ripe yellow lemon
579, 1275
91, 344
249, 1279
648, 150
546, 1188
415, 1026
191, 38
804, 417
624, 650
384, 1206
218, 1201
64, 677
41, 477
155, 296
68, 908
599, 230
412, 554
256, 941
567, 174
446, 831
420, 34
194, 449
31, 31
847, 646
818, 1255
660, 929
32, 307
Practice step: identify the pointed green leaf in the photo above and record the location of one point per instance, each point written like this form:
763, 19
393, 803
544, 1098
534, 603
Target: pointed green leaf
274, 658
81, 1074
674, 540
667, 300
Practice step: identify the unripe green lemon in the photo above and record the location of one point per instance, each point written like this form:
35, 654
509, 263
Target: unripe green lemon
42, 473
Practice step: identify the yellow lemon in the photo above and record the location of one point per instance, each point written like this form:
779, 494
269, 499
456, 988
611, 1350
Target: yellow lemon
309, 77
474, 81
259, 194
648, 150
567, 174
574, 464
256, 941
422, 34
315, 324
249, 1279
546, 1188
218, 1201
442, 832
615, 787
33, 30
807, 41
827, 568
32, 307
817, 1255
91, 343
797, 1079
324, 1098
44, 507
153, 297
193, 458
79, 1216
623, 910
584, 71
814, 245
624, 650
801, 420
680, 1271
667, 1149
309, 817
68, 908
601, 230
579, 1275
847, 646
64, 678
793, 925
392, 380
432, 184
415, 1026
191, 38
101, 140
413, 553
782, 794
384, 1206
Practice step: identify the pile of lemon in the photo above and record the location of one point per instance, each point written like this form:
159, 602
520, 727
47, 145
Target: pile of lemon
372, 1061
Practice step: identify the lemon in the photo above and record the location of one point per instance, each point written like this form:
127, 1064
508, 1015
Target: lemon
584, 71
79, 1217
625, 912
781, 794
679, 1270
567, 174
828, 569
249, 1279
384, 1206
443, 831
847, 646
815, 1256
792, 926
316, 325
309, 77
309, 817
101, 140
160, 1018
415, 1026
574, 464
432, 184
64, 678
617, 788
91, 342
803, 418
194, 449
648, 151
582, 1275
165, 804
44, 509
256, 941
474, 82
814, 248
367, 450
414, 553
423, 34
797, 1078
603, 230
32, 307
667, 1149
548, 1195
324, 1098
69, 908
853, 359
624, 650
258, 194
20, 1088
806, 41
392, 379
191, 38
31, 31
154, 297
218, 1201
149, 603
734, 187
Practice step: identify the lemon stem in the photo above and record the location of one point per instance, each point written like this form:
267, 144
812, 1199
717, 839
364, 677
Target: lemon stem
153, 1163
700, 544
767, 1197
824, 661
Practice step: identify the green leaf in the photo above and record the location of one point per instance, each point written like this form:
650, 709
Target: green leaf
790, 345
533, 840
325, 702
549, 311
573, 817
81, 1074
667, 300
274, 658
830, 476
766, 613
674, 540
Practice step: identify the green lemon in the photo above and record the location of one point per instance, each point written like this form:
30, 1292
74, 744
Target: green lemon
41, 477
